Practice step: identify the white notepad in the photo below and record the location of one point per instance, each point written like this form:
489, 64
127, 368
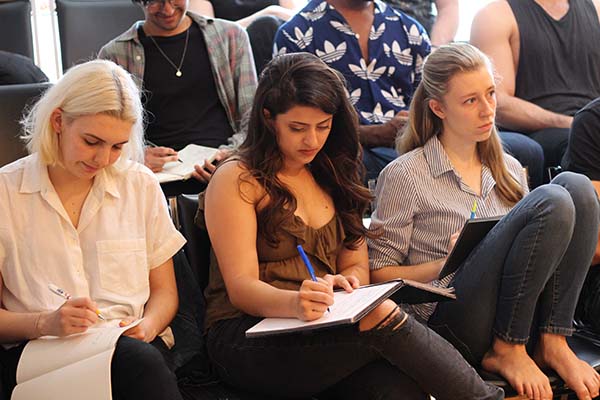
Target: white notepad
190, 155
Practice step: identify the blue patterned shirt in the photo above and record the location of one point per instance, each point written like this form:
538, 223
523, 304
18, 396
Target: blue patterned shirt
379, 87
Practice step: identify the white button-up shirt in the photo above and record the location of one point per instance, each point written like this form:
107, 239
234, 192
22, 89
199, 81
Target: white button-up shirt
124, 231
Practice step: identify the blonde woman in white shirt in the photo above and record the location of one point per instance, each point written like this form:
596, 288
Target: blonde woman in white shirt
80, 213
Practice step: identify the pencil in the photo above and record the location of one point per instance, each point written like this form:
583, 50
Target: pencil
60, 292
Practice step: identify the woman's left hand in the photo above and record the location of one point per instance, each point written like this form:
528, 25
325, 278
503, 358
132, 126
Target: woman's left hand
348, 283
141, 331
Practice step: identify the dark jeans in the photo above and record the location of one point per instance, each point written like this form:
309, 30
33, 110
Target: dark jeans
376, 158
533, 261
138, 371
529, 153
554, 141
386, 363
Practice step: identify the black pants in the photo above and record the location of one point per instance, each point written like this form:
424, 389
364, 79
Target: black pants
138, 371
392, 362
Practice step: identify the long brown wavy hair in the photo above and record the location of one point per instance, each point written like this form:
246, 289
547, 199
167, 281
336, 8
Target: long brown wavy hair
440, 66
302, 79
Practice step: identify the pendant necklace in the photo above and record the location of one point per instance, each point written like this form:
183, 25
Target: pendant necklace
178, 72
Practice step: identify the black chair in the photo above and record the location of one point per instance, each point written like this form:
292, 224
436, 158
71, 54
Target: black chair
13, 101
86, 26
15, 27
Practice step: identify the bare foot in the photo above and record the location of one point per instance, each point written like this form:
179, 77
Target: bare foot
554, 352
514, 364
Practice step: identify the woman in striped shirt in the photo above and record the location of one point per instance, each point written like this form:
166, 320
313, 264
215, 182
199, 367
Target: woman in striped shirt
534, 260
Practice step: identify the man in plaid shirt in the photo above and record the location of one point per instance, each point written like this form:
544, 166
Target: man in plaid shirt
198, 77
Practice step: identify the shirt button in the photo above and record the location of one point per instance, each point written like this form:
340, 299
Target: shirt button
138, 58
357, 36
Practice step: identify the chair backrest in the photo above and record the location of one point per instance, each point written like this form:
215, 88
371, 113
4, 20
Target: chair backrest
86, 26
13, 101
15, 27
197, 248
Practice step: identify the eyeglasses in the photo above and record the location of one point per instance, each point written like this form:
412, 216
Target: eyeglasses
155, 5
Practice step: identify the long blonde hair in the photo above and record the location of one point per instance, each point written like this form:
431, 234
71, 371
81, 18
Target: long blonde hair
94, 87
439, 67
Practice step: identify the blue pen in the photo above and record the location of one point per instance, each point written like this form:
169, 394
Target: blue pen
309, 266
473, 209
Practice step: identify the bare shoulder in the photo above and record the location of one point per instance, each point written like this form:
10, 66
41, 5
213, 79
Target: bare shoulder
233, 179
597, 5
494, 20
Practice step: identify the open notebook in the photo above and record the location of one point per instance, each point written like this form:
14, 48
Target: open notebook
71, 367
349, 308
190, 155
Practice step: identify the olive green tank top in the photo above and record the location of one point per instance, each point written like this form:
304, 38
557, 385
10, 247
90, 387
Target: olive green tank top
280, 266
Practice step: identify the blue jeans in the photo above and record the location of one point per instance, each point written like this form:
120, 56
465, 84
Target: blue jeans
533, 261
376, 158
529, 153
388, 363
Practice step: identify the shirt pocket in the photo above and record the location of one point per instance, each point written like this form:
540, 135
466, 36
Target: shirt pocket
123, 265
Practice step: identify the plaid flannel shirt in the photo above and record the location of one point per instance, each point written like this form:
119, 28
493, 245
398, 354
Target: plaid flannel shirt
229, 54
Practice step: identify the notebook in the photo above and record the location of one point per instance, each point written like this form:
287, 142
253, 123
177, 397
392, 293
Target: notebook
349, 308
190, 155
470, 236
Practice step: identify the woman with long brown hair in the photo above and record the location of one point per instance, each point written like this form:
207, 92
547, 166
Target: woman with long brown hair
297, 181
535, 258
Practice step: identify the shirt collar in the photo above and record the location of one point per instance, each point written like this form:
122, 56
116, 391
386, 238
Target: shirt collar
439, 164
36, 179
436, 157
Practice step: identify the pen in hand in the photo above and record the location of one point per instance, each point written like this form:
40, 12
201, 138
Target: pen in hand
309, 266
151, 144
60, 292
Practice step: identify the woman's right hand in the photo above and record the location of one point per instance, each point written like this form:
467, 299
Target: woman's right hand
453, 239
74, 316
313, 299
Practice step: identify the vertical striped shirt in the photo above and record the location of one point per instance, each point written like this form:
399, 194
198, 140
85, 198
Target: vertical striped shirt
420, 201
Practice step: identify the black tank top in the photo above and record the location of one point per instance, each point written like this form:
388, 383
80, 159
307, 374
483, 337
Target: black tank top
559, 61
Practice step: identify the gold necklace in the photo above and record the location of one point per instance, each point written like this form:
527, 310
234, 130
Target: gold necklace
178, 72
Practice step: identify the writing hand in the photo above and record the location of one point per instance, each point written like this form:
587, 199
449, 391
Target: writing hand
155, 158
204, 172
453, 239
313, 299
348, 283
142, 331
74, 316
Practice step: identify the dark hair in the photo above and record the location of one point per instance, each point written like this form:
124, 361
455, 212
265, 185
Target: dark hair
303, 79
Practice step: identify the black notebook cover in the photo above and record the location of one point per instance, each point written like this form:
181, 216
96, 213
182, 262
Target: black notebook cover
471, 234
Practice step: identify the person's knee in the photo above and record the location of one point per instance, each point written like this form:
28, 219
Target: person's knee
556, 205
133, 356
384, 314
581, 190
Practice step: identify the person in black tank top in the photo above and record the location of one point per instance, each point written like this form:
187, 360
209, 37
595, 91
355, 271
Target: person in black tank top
547, 55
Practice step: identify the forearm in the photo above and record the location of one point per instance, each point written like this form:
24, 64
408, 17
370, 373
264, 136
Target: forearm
275, 11
359, 271
377, 135
263, 300
523, 116
425, 272
445, 27
17, 327
161, 309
